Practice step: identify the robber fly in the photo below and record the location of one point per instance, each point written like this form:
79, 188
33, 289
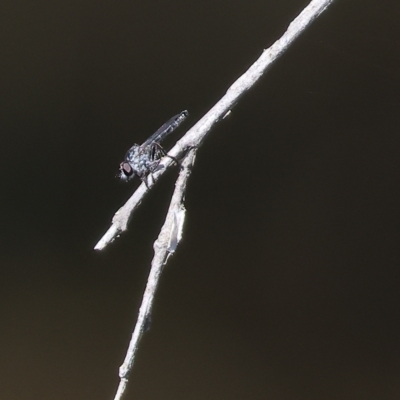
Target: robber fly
144, 159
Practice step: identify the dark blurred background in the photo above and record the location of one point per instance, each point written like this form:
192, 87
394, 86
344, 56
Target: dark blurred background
286, 285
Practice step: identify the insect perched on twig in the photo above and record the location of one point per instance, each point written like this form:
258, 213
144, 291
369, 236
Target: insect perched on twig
144, 159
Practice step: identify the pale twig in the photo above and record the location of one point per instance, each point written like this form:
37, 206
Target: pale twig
164, 246
171, 231
195, 136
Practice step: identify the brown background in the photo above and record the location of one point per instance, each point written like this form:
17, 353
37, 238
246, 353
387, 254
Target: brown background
286, 285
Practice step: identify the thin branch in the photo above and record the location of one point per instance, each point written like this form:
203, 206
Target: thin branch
195, 136
170, 233
164, 246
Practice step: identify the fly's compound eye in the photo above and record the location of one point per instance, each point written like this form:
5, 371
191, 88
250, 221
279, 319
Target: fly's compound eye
126, 171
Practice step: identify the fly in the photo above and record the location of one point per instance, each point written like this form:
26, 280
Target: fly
142, 160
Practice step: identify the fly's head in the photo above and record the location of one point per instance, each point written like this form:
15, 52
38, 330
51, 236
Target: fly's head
126, 168
126, 172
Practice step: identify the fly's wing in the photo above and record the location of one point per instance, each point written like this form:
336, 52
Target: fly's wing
167, 128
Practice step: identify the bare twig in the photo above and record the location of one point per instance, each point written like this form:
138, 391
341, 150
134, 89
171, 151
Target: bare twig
164, 246
195, 136
170, 234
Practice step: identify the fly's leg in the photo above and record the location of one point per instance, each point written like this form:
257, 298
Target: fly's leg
160, 150
143, 178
